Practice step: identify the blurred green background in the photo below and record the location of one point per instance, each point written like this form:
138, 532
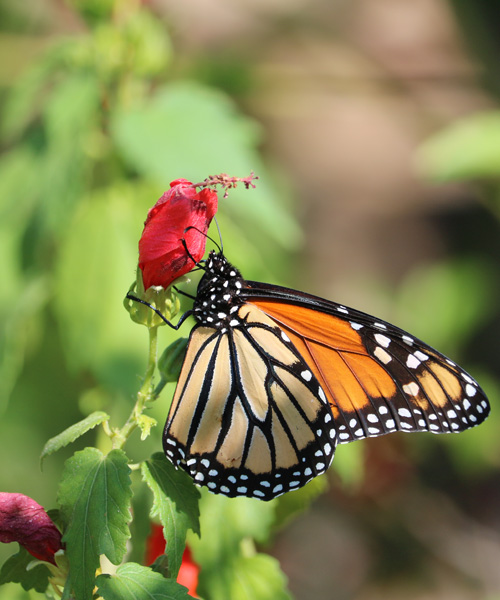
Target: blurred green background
374, 127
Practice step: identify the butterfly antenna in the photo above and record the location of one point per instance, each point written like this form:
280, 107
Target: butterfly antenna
183, 242
219, 247
184, 293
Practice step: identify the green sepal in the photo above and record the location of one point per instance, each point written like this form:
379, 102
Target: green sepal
165, 301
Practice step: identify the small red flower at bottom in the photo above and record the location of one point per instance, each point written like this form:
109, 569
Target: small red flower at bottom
189, 571
24, 521
181, 213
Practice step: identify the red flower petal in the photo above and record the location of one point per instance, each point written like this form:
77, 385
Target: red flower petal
162, 256
23, 520
155, 544
189, 570
188, 573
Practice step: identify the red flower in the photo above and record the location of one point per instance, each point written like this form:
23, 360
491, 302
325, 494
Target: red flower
155, 544
189, 571
162, 256
23, 520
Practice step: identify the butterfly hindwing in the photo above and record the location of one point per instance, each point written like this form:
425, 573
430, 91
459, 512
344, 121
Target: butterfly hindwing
248, 416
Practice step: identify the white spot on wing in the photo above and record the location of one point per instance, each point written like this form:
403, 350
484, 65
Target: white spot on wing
411, 389
382, 355
383, 340
412, 362
470, 390
306, 375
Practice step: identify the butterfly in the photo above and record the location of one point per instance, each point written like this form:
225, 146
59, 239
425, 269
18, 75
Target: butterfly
273, 379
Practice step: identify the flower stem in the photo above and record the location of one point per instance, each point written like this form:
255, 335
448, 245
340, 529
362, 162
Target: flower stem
144, 395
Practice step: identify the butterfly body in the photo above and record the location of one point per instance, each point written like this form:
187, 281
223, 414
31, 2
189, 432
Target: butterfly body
273, 379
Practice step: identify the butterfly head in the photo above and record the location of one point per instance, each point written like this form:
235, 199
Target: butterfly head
218, 295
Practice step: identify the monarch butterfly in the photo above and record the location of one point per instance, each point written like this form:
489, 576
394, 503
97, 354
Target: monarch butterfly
273, 379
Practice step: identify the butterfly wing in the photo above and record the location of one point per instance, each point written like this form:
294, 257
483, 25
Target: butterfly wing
377, 378
248, 417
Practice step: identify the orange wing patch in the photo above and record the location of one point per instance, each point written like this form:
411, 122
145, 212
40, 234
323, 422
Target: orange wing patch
377, 378
351, 379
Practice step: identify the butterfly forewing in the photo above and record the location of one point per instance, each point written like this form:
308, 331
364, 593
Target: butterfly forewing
377, 378
248, 417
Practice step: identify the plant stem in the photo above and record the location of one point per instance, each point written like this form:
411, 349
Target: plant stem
144, 395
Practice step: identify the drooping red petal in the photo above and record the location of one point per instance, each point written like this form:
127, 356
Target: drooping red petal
189, 570
188, 573
155, 544
24, 521
180, 214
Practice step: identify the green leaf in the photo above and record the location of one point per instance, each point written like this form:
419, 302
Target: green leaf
70, 122
95, 496
227, 525
19, 172
15, 570
227, 521
467, 149
175, 503
462, 300
73, 433
96, 267
27, 95
186, 129
135, 582
289, 505
257, 577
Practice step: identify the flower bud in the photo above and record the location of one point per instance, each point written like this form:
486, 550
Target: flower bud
163, 300
145, 424
23, 520
170, 362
